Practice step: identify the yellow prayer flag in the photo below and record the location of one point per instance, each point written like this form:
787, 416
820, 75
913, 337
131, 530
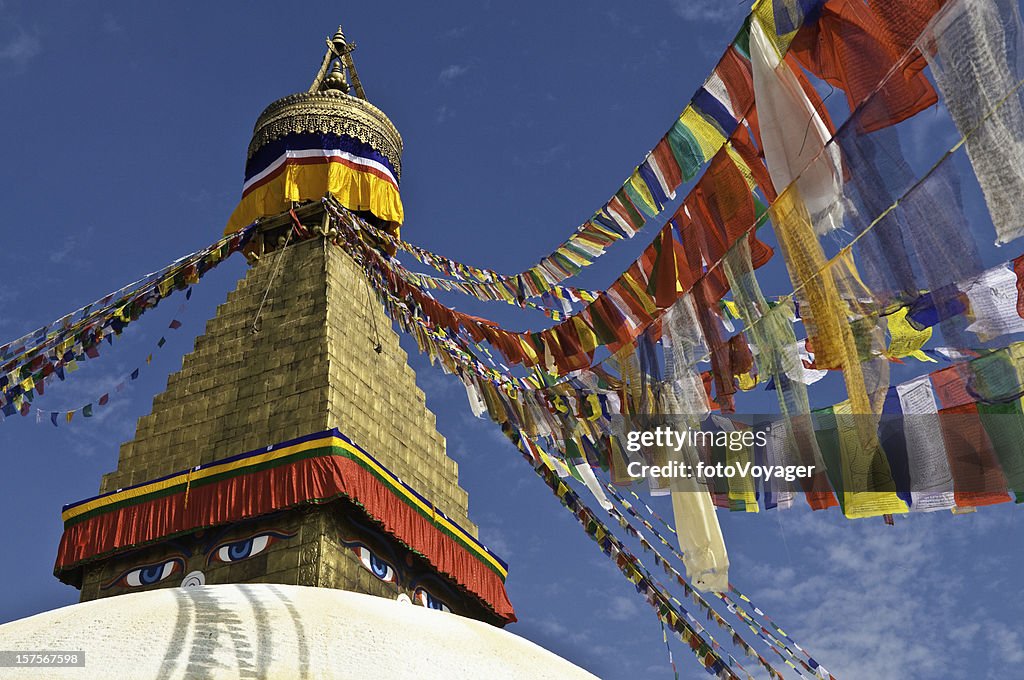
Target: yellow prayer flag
868, 487
766, 11
641, 295
742, 166
741, 488
706, 134
588, 339
528, 350
904, 339
637, 183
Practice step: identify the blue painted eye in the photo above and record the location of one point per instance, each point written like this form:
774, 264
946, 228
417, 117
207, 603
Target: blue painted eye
236, 551
147, 575
378, 567
429, 601
244, 549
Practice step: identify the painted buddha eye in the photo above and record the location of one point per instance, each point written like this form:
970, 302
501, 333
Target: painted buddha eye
378, 567
427, 600
148, 574
236, 551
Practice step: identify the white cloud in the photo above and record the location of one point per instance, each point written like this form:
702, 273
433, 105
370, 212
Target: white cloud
1008, 645
455, 32
708, 10
60, 254
20, 49
622, 608
110, 24
556, 629
443, 113
437, 384
495, 539
450, 73
876, 604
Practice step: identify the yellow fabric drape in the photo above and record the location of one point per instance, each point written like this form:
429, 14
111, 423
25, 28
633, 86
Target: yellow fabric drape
826, 314
354, 189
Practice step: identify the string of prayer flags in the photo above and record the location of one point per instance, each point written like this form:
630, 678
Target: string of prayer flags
87, 410
765, 635
710, 118
734, 607
61, 345
627, 563
835, 464
596, 530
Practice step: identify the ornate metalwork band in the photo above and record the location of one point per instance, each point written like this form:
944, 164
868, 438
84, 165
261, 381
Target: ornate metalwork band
333, 113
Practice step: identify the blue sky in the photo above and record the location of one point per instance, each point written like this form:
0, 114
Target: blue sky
124, 131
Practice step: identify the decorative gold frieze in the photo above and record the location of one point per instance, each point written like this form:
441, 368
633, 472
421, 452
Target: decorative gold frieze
331, 112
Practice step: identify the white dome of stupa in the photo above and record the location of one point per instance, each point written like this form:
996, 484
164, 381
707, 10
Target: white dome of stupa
274, 632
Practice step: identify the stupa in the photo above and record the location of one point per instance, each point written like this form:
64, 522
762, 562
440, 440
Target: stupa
291, 467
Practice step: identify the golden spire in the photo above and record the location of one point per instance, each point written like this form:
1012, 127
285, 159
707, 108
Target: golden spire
339, 53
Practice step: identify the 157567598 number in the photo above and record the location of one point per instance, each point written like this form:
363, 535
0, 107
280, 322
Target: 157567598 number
41, 658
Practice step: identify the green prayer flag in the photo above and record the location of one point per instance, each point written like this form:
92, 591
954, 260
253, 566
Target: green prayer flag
826, 431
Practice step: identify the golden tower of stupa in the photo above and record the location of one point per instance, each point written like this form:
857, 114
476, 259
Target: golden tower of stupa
293, 446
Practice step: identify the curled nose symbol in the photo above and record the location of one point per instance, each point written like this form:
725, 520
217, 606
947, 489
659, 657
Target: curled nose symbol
193, 579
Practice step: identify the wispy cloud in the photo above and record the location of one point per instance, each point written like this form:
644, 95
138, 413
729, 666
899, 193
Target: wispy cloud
451, 73
552, 154
19, 49
437, 384
455, 32
444, 112
495, 539
70, 245
707, 10
91, 436
110, 24
60, 254
552, 627
876, 590
623, 608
